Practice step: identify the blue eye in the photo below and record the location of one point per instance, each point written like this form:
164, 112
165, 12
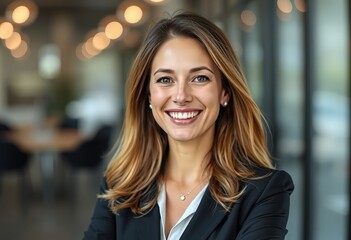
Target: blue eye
164, 80
201, 79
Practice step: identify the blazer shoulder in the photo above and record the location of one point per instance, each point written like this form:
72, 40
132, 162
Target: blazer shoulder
269, 181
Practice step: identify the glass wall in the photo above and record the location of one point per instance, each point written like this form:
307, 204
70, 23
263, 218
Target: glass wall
331, 121
290, 109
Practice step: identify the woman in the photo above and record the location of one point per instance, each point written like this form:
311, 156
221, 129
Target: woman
192, 161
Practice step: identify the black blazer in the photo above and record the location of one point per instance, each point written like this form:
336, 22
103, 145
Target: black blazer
261, 213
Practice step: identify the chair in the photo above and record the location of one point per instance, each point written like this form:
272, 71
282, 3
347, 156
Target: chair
15, 160
4, 127
89, 155
69, 123
12, 157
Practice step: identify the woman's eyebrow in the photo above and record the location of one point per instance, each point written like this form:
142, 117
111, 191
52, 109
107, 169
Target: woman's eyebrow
196, 69
163, 70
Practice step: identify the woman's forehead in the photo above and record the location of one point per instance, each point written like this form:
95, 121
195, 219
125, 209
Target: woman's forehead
181, 51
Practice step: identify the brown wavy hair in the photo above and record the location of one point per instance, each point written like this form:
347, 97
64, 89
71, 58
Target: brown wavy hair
240, 141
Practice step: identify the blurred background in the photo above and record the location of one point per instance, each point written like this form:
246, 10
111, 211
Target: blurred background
63, 66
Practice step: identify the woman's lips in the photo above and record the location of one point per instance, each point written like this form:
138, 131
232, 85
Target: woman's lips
183, 115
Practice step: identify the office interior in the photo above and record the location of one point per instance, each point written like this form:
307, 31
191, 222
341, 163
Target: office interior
63, 67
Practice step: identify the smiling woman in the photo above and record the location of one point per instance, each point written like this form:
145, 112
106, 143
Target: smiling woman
186, 91
192, 160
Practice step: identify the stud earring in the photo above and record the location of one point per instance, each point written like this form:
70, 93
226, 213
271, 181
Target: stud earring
150, 106
225, 104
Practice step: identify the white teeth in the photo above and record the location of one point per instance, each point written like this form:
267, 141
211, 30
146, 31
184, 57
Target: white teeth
183, 115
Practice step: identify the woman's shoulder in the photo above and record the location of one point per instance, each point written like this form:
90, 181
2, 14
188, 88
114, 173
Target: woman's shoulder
262, 172
268, 181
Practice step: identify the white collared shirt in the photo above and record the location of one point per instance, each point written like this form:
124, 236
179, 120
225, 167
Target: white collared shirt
177, 230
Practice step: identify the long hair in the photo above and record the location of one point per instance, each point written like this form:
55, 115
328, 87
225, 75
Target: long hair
240, 142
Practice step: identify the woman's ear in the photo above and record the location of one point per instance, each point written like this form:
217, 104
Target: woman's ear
225, 96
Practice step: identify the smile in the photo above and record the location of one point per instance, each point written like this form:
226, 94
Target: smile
183, 115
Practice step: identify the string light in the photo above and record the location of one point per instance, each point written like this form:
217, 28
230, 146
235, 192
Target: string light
100, 41
21, 51
6, 29
112, 27
284, 6
300, 5
132, 12
22, 12
248, 18
13, 41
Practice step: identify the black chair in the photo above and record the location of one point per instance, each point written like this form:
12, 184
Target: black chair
4, 127
88, 156
90, 153
69, 123
14, 160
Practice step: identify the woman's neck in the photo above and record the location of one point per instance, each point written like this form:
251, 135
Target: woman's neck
187, 161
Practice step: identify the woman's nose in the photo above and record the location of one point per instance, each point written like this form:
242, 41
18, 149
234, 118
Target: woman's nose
182, 94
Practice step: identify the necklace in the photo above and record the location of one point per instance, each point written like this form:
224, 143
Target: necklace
184, 195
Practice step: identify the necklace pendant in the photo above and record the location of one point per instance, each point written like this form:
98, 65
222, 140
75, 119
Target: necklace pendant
182, 197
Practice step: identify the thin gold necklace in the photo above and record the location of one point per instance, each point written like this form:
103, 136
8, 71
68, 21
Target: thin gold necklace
184, 195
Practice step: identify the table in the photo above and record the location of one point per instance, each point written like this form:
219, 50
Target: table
46, 143
39, 140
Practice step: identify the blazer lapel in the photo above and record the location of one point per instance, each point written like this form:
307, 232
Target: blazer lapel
148, 225
206, 218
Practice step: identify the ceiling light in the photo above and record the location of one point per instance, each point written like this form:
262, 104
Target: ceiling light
100, 41
22, 12
284, 6
21, 51
112, 27
6, 29
132, 12
13, 41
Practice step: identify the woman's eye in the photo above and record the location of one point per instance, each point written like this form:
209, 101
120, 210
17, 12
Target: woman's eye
201, 79
164, 80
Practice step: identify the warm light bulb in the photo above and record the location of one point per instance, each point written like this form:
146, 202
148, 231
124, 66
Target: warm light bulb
113, 30
100, 41
248, 18
284, 6
20, 51
90, 48
13, 41
6, 30
20, 14
300, 5
133, 14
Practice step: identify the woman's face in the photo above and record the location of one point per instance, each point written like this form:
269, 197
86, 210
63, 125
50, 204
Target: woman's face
185, 90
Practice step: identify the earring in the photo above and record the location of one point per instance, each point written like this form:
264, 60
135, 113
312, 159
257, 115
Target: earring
150, 106
225, 104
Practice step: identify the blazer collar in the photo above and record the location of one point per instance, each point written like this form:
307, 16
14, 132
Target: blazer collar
207, 217
148, 225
